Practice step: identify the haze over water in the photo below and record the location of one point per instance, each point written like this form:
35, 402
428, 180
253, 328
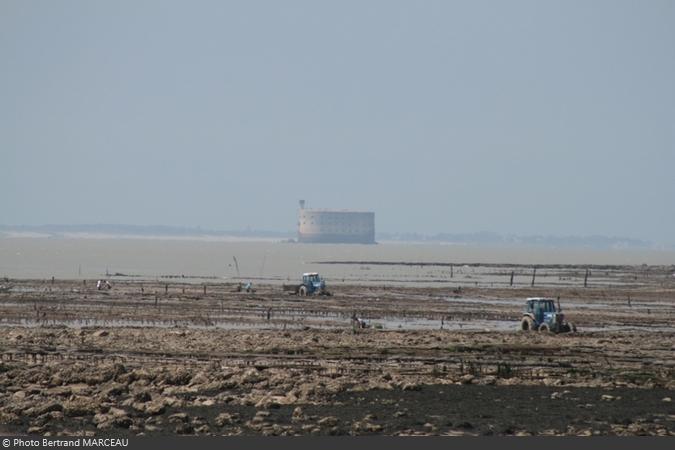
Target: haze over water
270, 261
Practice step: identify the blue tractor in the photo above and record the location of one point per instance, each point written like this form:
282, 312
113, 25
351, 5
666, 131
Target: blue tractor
541, 315
312, 284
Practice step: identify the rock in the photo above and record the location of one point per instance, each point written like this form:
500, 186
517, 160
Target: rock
328, 421
259, 418
467, 379
255, 425
298, 415
56, 380
95, 378
134, 375
9, 418
142, 396
262, 414
79, 389
140, 407
199, 378
267, 402
173, 402
203, 429
226, 419
273, 430
18, 396
123, 422
103, 421
177, 377
366, 425
666, 399
40, 410
55, 415
41, 420
78, 407
101, 418
489, 380
155, 408
114, 389
411, 387
198, 421
178, 418
60, 391
251, 376
184, 428
288, 399
101, 333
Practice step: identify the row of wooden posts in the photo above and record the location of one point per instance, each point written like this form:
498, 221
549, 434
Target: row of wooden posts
534, 276
513, 273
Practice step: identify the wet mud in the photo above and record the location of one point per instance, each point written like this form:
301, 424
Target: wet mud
150, 357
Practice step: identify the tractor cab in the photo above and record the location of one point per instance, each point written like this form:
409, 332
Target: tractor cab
542, 309
541, 314
311, 277
313, 283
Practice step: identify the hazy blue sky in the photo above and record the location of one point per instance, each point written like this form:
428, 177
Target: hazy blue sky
528, 117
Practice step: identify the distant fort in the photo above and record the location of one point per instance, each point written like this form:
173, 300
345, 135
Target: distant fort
332, 226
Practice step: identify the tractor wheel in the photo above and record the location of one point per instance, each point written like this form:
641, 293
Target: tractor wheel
544, 327
527, 324
302, 292
566, 328
573, 328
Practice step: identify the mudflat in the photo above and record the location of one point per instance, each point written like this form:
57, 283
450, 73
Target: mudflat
166, 357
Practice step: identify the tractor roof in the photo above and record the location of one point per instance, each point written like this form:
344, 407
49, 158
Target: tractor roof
309, 274
539, 299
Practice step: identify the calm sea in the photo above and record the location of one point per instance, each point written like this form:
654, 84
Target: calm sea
22, 257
